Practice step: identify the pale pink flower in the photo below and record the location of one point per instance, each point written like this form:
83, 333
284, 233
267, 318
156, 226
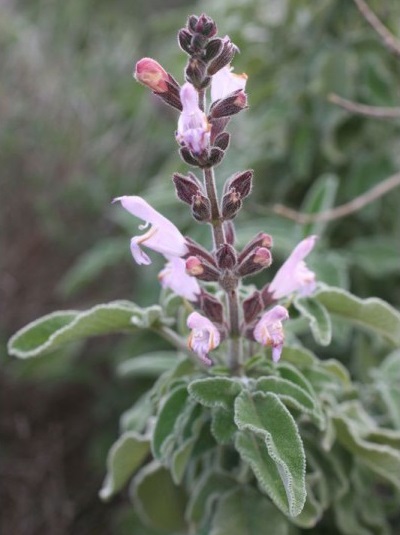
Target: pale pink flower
150, 73
204, 336
269, 330
294, 275
193, 128
225, 82
175, 277
162, 236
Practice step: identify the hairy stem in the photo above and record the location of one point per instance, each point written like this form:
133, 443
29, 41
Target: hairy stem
235, 341
216, 222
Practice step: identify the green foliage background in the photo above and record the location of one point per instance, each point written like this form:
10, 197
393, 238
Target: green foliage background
77, 131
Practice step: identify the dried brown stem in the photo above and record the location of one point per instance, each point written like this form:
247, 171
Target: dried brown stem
388, 39
344, 209
377, 112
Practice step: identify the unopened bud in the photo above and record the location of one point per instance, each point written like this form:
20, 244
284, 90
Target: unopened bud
203, 25
212, 307
260, 240
231, 204
150, 73
229, 232
195, 72
201, 208
230, 105
259, 259
226, 257
195, 249
252, 306
188, 157
267, 296
212, 49
186, 187
184, 39
201, 270
224, 58
222, 140
241, 182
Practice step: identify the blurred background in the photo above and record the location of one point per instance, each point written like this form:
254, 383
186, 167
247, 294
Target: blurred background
76, 131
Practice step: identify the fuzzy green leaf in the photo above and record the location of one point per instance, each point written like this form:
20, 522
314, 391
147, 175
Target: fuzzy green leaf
159, 502
148, 365
172, 407
56, 329
244, 511
215, 391
124, 458
222, 424
318, 318
382, 459
209, 488
373, 314
292, 395
271, 444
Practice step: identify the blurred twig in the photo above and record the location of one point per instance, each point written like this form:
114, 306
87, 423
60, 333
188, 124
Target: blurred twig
378, 112
344, 209
389, 40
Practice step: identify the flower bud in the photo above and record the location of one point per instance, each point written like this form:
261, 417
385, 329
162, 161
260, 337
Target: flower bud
212, 307
201, 270
195, 72
229, 232
201, 208
188, 157
184, 40
259, 259
252, 307
203, 25
215, 157
212, 49
224, 58
231, 204
226, 257
150, 73
196, 249
242, 183
186, 187
222, 140
230, 105
260, 240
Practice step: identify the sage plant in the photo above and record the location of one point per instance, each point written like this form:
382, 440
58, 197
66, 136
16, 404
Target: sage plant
211, 95
243, 431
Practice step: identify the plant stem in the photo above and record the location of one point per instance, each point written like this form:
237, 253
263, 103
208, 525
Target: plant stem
218, 229
235, 340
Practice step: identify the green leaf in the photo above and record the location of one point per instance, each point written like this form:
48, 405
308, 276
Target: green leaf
363, 253
222, 425
292, 395
180, 459
373, 314
215, 391
124, 458
297, 355
271, 444
136, 417
173, 405
159, 502
320, 197
387, 381
209, 488
244, 511
319, 320
382, 459
148, 365
59, 328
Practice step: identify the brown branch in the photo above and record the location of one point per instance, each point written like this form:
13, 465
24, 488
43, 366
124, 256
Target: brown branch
389, 40
344, 209
378, 112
